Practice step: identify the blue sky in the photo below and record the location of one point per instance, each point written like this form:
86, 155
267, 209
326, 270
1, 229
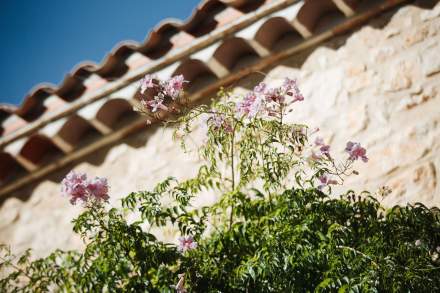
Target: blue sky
43, 40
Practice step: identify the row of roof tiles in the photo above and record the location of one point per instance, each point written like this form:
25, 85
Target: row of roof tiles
87, 77
287, 23
169, 34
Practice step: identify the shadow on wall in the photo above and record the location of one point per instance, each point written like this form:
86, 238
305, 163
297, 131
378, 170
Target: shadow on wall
286, 37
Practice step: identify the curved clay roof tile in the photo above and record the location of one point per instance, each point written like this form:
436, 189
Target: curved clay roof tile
71, 88
231, 51
311, 12
203, 14
113, 64
8, 167
192, 68
33, 102
7, 108
84, 69
124, 48
272, 30
237, 3
37, 148
111, 112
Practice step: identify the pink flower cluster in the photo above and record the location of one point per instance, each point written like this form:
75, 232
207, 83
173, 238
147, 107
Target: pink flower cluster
218, 121
265, 100
251, 105
79, 188
356, 151
171, 88
186, 243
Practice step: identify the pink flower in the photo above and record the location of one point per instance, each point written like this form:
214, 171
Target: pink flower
325, 181
74, 185
186, 243
250, 105
260, 88
266, 100
174, 86
319, 141
147, 82
78, 188
177, 82
98, 187
274, 95
218, 121
289, 83
290, 86
180, 287
356, 151
323, 148
156, 103
269, 94
314, 130
171, 88
418, 242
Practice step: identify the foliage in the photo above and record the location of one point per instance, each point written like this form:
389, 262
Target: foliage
275, 228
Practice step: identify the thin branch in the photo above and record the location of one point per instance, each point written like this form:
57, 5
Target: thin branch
358, 252
231, 216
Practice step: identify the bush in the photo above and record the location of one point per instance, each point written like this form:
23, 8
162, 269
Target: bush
275, 228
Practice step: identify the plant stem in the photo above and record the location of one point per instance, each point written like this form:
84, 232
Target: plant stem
358, 252
281, 114
16, 267
231, 216
263, 162
126, 248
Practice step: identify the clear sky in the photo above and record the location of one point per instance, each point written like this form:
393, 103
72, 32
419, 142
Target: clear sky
42, 40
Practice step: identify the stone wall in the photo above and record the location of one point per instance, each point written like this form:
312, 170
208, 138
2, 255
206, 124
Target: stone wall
379, 86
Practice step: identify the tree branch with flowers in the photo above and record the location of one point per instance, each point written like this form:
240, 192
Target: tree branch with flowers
276, 226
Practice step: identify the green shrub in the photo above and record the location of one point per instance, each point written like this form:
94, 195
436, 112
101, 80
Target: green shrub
275, 227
